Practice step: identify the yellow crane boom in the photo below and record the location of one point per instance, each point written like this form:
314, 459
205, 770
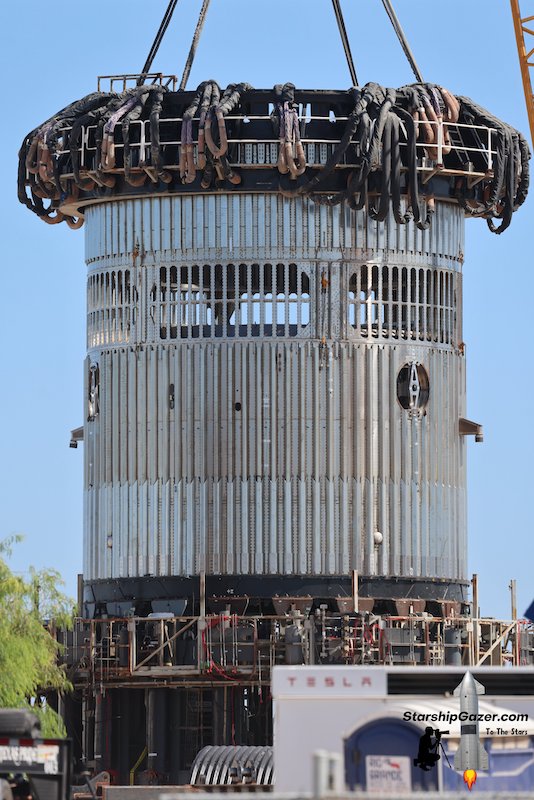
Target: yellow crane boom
524, 34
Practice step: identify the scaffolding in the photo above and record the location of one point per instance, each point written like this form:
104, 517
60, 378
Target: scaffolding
223, 648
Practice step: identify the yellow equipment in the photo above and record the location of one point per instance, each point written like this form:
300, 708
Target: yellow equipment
524, 28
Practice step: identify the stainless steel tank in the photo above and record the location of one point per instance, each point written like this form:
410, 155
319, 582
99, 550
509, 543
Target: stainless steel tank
274, 388
275, 375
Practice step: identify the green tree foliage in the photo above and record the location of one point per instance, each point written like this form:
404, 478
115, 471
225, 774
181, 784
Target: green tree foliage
30, 610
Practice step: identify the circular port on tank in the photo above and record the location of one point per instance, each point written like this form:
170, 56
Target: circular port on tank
413, 386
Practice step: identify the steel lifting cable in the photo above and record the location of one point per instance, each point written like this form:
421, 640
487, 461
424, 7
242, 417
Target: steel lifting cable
194, 44
291, 156
510, 182
345, 41
402, 39
380, 121
157, 41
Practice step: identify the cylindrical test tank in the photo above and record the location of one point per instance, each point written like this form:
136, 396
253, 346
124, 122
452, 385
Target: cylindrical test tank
274, 385
273, 392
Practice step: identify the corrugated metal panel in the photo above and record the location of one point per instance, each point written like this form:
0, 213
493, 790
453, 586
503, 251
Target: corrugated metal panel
273, 454
412, 491
210, 228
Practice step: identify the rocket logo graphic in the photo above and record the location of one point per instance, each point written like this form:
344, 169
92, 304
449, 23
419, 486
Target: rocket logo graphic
470, 757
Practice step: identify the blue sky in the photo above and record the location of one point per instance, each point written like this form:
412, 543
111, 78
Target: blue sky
52, 54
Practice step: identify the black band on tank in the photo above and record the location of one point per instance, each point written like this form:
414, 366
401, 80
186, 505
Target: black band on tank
468, 729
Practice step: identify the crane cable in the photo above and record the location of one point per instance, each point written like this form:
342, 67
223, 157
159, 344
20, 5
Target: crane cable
159, 37
345, 40
340, 23
396, 27
157, 41
194, 44
198, 30
402, 39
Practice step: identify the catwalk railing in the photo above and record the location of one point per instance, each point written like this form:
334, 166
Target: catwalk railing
263, 153
370, 147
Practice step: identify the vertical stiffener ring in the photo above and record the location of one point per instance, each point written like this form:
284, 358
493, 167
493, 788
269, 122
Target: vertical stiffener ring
271, 384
